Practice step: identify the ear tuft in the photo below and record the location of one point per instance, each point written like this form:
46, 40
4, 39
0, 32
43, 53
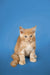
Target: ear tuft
34, 28
21, 29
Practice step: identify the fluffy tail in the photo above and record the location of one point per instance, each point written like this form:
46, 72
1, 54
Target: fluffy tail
15, 60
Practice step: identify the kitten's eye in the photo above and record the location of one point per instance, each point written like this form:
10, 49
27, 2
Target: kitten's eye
25, 36
30, 35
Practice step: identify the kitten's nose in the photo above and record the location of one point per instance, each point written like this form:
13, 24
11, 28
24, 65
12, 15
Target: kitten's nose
28, 40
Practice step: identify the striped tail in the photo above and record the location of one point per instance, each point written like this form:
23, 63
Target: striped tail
15, 60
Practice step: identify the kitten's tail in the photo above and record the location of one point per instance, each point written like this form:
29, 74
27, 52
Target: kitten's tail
15, 60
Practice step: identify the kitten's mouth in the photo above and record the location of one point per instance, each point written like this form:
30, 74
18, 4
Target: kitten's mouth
29, 40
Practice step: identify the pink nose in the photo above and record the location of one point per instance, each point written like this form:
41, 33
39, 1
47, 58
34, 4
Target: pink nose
28, 40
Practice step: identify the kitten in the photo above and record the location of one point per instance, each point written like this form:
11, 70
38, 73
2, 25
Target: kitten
25, 46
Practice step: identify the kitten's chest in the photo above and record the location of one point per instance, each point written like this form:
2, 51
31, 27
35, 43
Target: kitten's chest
28, 49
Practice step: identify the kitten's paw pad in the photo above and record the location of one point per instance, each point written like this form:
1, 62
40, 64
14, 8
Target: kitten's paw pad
33, 60
21, 62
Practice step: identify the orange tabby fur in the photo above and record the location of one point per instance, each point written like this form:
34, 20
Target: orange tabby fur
25, 46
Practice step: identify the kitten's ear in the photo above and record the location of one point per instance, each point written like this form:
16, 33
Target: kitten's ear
21, 30
34, 28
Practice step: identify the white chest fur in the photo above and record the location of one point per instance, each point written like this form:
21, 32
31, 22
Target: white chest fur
28, 49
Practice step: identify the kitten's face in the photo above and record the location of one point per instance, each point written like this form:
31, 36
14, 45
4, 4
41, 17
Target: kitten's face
27, 34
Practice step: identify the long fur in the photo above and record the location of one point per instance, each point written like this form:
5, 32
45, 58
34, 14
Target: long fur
25, 46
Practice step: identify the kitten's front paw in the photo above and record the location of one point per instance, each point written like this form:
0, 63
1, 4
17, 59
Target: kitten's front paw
33, 60
21, 62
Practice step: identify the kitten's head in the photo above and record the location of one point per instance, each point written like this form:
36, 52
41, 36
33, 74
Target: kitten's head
27, 34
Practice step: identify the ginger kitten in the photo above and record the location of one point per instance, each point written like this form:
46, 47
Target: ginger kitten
25, 46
